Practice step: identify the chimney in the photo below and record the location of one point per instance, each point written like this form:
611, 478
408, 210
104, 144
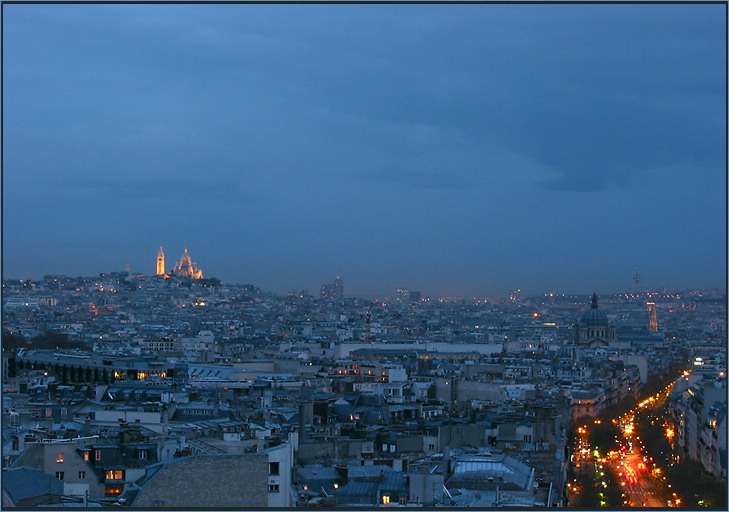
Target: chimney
123, 432
447, 460
343, 472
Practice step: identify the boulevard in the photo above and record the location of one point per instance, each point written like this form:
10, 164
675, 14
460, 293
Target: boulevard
621, 471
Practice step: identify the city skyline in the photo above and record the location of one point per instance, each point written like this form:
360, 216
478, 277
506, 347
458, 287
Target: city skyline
326, 290
457, 150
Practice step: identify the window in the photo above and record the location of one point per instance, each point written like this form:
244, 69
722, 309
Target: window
86, 455
142, 454
114, 474
59, 475
97, 455
273, 468
59, 457
385, 499
431, 447
81, 475
273, 488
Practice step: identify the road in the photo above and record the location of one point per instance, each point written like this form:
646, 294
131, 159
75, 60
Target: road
640, 482
636, 481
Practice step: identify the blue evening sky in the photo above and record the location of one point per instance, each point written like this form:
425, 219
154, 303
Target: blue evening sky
452, 149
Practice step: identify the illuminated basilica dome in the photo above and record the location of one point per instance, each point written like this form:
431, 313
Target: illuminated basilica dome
186, 268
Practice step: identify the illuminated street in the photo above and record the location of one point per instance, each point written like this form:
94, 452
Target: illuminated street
640, 476
637, 482
641, 482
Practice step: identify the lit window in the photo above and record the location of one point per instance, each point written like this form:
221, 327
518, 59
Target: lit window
385, 499
86, 455
114, 474
59, 457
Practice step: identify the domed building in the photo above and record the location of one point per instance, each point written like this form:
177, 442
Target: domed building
593, 329
186, 268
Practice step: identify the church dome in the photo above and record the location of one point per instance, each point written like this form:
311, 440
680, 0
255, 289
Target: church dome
593, 317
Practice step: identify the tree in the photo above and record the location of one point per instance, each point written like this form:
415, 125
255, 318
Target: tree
602, 435
210, 282
52, 339
695, 487
12, 341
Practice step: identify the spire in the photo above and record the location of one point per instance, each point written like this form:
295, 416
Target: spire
594, 300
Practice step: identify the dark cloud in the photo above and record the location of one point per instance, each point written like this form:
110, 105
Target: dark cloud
155, 188
422, 180
576, 182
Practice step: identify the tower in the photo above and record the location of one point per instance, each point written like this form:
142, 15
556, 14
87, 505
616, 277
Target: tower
653, 317
338, 288
636, 278
160, 262
333, 291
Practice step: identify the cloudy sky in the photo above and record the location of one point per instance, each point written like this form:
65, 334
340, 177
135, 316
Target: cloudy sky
452, 149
